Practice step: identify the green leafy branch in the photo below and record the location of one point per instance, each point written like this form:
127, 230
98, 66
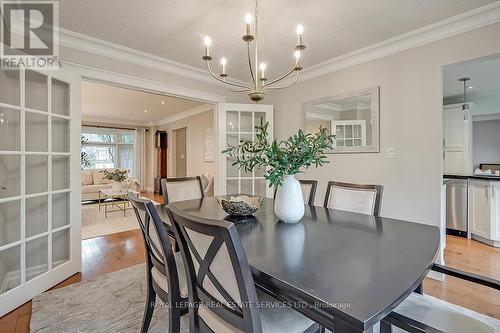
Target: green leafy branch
281, 158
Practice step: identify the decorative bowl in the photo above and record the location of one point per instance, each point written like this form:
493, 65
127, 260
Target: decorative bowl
240, 205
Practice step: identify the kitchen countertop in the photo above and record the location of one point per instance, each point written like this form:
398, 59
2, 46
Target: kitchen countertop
466, 176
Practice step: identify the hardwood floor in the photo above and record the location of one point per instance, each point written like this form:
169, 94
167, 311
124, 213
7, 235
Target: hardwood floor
475, 257
114, 252
100, 255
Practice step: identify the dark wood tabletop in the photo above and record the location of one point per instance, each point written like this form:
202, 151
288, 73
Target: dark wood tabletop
350, 270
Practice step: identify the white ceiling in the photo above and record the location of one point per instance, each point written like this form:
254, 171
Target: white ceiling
485, 82
108, 102
174, 29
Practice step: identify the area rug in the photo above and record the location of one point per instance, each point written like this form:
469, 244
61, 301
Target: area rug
94, 224
112, 302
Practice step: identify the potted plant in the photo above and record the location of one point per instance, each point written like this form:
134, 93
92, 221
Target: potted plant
282, 161
117, 176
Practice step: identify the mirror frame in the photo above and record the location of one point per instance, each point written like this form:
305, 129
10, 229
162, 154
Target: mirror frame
375, 115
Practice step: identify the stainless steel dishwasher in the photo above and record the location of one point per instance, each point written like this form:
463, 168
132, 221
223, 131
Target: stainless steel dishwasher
456, 206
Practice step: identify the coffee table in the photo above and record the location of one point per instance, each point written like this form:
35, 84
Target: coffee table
109, 201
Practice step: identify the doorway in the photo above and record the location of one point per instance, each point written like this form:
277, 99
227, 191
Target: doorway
471, 177
180, 152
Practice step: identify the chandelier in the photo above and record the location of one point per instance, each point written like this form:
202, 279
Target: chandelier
259, 83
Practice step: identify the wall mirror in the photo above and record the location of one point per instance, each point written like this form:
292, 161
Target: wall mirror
353, 118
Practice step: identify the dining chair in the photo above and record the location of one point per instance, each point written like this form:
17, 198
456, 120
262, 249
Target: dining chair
165, 274
220, 281
308, 190
178, 189
356, 198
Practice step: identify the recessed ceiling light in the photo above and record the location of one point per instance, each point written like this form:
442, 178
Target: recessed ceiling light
470, 87
162, 102
146, 111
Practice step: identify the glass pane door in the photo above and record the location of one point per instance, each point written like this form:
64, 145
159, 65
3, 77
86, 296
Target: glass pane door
237, 122
38, 229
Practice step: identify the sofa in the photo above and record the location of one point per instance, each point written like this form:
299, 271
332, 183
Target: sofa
92, 180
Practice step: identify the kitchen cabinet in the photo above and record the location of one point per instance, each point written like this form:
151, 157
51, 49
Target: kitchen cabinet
457, 140
484, 211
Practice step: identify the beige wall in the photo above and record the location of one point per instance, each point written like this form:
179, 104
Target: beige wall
195, 165
410, 120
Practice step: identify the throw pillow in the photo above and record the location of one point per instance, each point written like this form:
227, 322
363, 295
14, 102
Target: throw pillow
86, 177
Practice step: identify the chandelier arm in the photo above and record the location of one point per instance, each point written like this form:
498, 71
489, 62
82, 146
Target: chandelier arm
288, 85
225, 81
250, 66
280, 78
226, 85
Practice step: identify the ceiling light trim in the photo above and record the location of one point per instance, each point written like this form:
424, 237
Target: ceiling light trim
89, 120
188, 113
455, 25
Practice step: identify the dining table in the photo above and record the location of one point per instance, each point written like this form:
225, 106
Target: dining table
346, 271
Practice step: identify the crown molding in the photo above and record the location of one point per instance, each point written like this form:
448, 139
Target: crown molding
450, 27
104, 48
185, 114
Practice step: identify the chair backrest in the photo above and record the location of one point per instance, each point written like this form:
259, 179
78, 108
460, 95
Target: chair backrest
308, 190
219, 276
158, 247
356, 198
178, 189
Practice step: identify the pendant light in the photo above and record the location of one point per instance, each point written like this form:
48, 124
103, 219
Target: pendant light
465, 105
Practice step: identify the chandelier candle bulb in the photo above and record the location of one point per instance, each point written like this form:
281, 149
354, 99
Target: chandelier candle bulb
223, 63
248, 20
208, 41
262, 71
297, 57
300, 31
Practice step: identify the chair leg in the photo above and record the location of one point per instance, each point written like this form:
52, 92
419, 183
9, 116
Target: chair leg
174, 319
149, 308
385, 327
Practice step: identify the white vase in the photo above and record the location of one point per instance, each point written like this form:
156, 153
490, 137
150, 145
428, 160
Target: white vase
116, 187
289, 203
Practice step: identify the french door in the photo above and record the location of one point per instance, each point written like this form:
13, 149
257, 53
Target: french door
237, 122
39, 182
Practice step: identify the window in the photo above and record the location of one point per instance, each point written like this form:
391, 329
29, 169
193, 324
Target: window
349, 133
108, 148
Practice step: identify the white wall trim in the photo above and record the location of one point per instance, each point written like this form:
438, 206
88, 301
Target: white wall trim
452, 26
104, 48
185, 114
89, 120
127, 81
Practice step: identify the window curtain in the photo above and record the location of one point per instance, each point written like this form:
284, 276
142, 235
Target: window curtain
140, 157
